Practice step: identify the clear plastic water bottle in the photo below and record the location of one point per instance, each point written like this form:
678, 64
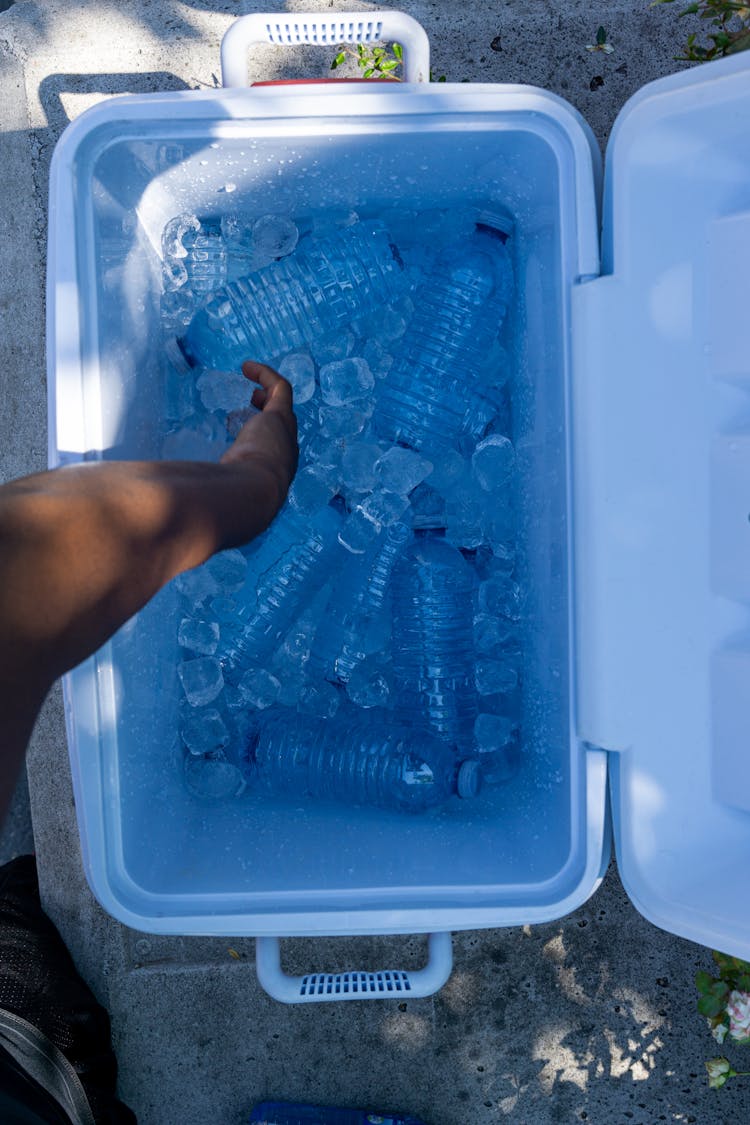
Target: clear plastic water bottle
195, 255
433, 640
437, 389
291, 564
357, 761
323, 286
206, 259
356, 607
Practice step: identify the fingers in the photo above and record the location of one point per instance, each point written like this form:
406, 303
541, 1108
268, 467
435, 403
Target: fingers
274, 393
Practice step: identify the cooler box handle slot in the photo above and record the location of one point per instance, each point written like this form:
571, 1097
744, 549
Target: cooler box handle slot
384, 984
289, 29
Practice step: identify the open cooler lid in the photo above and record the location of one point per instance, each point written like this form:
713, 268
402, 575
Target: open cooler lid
662, 477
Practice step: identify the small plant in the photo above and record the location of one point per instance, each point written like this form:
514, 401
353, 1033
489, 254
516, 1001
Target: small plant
374, 62
725, 1002
730, 24
601, 43
378, 62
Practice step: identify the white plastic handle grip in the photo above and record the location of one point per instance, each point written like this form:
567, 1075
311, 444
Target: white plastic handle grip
289, 28
385, 984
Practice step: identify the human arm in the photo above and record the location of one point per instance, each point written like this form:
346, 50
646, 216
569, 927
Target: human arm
84, 547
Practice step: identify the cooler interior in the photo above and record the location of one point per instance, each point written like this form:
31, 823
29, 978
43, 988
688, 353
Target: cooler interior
165, 855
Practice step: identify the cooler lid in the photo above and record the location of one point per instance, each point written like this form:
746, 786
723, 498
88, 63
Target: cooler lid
661, 416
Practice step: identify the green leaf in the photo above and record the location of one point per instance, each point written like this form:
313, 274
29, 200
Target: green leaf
369, 72
703, 981
398, 51
691, 10
742, 43
743, 980
340, 58
601, 36
710, 1006
719, 989
391, 65
361, 50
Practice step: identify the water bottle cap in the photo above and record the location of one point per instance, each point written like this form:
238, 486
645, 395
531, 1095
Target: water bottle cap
469, 779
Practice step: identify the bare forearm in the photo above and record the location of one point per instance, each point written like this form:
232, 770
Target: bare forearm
85, 547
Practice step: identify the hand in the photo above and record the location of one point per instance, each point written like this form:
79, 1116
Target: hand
270, 437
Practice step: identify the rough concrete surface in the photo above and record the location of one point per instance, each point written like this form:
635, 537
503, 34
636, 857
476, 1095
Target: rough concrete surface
591, 1018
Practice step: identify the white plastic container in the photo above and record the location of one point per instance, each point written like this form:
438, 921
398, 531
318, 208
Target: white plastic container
631, 414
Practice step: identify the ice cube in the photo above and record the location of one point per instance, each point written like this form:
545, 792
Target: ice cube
358, 531
367, 686
358, 465
274, 236
504, 557
292, 683
447, 471
384, 508
342, 421
496, 746
463, 527
202, 680
491, 632
495, 677
345, 381
228, 570
198, 635
196, 585
299, 369
499, 520
223, 609
379, 358
500, 597
493, 462
401, 470
224, 390
312, 488
180, 398
236, 231
321, 700
174, 234
328, 349
427, 507
205, 732
213, 778
258, 688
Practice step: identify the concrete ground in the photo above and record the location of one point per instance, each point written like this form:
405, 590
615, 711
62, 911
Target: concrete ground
591, 1018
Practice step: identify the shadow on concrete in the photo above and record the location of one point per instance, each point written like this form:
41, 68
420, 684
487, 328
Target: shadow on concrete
54, 86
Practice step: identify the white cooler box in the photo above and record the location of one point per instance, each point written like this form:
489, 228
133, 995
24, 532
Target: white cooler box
631, 419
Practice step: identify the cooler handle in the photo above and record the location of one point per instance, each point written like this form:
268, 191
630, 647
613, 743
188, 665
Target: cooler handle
289, 28
385, 984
